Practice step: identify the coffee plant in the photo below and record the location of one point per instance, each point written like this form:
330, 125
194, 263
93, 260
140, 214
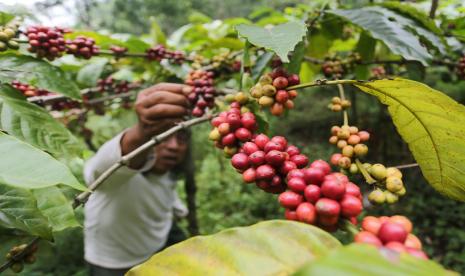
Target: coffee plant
249, 75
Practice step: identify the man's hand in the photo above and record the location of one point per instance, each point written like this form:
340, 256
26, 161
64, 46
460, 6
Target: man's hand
158, 108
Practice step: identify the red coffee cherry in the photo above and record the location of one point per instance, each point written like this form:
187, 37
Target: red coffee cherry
306, 213
289, 199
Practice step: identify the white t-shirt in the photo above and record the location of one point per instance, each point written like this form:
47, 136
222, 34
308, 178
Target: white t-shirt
129, 216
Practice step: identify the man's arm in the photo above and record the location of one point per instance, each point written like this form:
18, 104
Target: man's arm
158, 109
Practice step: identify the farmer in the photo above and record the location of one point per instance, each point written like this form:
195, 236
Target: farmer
131, 215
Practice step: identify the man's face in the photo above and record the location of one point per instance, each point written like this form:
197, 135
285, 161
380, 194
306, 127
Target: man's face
170, 152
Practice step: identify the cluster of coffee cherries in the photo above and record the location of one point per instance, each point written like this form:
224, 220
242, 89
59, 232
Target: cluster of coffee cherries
111, 85
268, 161
29, 90
232, 128
46, 42
378, 72
7, 33
271, 91
203, 91
118, 51
337, 104
159, 52
317, 196
461, 68
82, 47
351, 142
29, 258
388, 186
394, 233
333, 68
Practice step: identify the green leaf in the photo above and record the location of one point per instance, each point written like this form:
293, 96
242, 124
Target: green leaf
156, 33
280, 39
361, 259
89, 74
260, 65
18, 209
366, 48
27, 167
433, 126
297, 57
34, 125
414, 13
38, 73
391, 28
5, 18
55, 206
267, 248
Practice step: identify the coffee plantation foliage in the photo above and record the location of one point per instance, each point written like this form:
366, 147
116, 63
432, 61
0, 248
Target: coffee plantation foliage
388, 67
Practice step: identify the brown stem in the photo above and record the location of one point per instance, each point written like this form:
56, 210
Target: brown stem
406, 166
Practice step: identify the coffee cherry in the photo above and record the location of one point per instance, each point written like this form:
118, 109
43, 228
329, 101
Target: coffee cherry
402, 192
378, 171
344, 162
292, 94
277, 109
348, 151
413, 242
321, 164
243, 134
266, 101
360, 150
290, 215
312, 193
293, 80
391, 198
402, 220
354, 190
249, 175
314, 175
297, 185
327, 207
364, 136
249, 148
351, 206
289, 199
269, 90
274, 157
295, 174
341, 144
371, 224
333, 189
203, 92
335, 159
257, 158
377, 197
395, 172
265, 172
300, 160
261, 140
265, 79
306, 213
396, 246
240, 161
394, 184
287, 167
159, 52
353, 169
389, 232
368, 238
292, 150
82, 47
280, 83
214, 135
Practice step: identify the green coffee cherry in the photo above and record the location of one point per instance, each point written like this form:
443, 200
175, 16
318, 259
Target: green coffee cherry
378, 171
394, 184
390, 197
377, 197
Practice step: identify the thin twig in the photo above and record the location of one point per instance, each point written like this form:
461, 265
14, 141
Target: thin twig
20, 255
406, 166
